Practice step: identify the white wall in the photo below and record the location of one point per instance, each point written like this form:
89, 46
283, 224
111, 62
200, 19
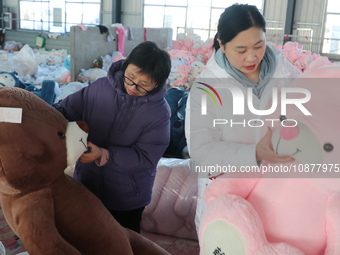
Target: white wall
132, 13
308, 22
106, 16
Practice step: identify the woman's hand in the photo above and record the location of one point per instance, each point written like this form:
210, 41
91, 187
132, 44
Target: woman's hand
265, 152
94, 153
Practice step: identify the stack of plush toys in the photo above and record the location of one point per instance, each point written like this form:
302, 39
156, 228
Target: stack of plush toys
189, 56
301, 59
195, 47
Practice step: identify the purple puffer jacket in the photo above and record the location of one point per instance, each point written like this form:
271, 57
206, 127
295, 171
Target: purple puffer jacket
135, 130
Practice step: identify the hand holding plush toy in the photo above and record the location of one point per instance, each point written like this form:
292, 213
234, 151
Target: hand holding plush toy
50, 211
297, 212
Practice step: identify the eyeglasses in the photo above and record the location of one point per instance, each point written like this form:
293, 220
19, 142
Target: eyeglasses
139, 88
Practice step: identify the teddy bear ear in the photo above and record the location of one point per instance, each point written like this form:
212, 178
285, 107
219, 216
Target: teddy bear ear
83, 126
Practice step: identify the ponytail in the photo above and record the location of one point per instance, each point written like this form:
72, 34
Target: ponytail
216, 44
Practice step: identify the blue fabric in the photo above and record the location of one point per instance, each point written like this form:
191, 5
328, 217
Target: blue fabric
268, 66
177, 100
136, 132
47, 91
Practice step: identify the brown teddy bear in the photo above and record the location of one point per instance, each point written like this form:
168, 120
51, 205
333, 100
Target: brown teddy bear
51, 212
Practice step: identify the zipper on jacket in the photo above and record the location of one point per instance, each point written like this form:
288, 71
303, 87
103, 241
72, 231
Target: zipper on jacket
132, 108
120, 110
134, 184
117, 121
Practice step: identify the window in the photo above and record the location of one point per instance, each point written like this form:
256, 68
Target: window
58, 15
199, 15
331, 41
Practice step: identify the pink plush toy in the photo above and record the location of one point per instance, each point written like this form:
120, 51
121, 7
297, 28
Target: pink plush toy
196, 68
302, 60
181, 76
177, 45
175, 64
286, 214
116, 56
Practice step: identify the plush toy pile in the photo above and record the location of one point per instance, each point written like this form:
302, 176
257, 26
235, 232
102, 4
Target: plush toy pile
195, 47
50, 211
301, 59
35, 66
294, 211
189, 55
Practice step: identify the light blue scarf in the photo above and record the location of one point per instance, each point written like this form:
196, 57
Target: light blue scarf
268, 67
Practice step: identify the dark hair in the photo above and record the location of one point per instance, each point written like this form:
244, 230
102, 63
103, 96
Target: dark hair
152, 61
235, 19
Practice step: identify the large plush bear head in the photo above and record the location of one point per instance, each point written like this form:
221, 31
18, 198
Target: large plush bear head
33, 142
293, 208
50, 211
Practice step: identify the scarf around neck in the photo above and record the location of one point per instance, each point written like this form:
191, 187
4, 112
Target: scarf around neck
268, 66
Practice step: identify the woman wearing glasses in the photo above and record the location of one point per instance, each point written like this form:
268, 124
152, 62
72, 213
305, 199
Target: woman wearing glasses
128, 121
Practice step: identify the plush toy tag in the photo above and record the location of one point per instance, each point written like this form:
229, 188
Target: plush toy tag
12, 115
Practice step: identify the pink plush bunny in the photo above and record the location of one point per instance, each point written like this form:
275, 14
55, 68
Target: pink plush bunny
285, 212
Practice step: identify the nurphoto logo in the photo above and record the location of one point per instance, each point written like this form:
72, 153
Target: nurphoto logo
238, 103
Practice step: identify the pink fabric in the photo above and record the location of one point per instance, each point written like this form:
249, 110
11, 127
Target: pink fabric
173, 204
121, 39
242, 215
104, 159
289, 133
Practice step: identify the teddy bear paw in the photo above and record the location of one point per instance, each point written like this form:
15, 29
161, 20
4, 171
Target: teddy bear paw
230, 225
221, 237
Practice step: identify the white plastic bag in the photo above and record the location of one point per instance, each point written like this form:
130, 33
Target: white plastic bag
12, 45
24, 62
91, 74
